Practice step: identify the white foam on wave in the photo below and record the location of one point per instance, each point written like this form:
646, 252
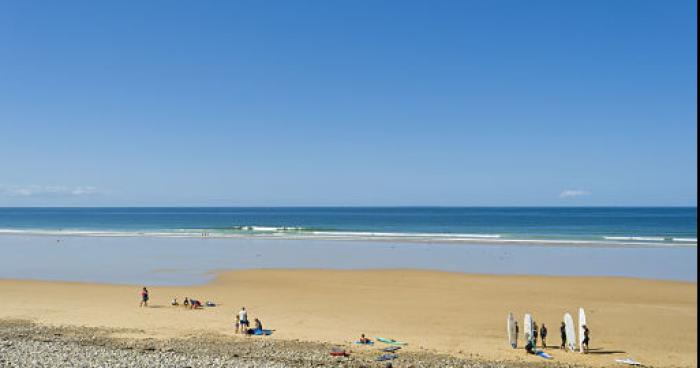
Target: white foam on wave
636, 238
686, 240
296, 233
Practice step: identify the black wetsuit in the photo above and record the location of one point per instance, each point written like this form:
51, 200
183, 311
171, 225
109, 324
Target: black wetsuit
563, 336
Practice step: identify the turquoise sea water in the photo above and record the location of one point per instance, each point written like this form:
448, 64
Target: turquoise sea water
158, 246
573, 226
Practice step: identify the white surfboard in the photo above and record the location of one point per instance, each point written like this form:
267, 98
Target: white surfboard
527, 327
570, 332
512, 336
581, 323
628, 361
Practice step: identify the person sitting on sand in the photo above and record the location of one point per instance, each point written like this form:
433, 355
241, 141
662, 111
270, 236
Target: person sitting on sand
586, 338
562, 330
258, 325
195, 304
144, 297
174, 302
529, 347
364, 340
186, 302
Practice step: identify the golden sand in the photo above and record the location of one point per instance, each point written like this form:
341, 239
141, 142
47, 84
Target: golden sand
653, 322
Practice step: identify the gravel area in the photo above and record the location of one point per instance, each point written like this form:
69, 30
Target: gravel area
25, 344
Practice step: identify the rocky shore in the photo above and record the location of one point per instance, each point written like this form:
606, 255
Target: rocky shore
25, 344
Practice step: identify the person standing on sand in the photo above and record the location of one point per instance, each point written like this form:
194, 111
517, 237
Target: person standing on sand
144, 297
543, 336
586, 331
238, 323
562, 330
534, 334
243, 316
517, 330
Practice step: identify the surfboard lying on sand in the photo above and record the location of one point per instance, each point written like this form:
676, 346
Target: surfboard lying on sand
527, 327
390, 341
628, 361
570, 332
581, 323
512, 337
542, 354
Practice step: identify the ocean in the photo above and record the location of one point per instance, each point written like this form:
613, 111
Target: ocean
183, 246
598, 226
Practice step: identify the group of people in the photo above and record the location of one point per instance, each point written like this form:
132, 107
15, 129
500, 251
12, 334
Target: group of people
242, 325
584, 342
541, 333
190, 303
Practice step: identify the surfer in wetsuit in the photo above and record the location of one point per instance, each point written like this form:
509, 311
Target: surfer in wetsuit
585, 338
543, 336
562, 329
534, 334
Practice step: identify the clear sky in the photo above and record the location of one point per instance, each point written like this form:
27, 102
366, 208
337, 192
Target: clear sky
348, 103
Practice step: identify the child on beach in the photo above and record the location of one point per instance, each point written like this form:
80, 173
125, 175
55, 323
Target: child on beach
144, 297
586, 332
238, 324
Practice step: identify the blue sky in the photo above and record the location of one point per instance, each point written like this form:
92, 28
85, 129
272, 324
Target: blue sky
348, 103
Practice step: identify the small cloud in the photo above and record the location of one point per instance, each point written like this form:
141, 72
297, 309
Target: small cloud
573, 193
46, 190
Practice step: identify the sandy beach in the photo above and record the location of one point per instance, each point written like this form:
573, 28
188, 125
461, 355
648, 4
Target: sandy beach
462, 315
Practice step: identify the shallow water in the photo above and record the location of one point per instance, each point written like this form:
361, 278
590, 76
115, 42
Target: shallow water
173, 261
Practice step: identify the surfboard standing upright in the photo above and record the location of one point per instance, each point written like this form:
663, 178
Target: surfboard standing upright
570, 332
581, 323
527, 328
512, 334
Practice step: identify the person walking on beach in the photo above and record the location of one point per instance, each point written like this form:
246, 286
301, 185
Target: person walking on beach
144, 297
543, 336
562, 330
586, 338
243, 316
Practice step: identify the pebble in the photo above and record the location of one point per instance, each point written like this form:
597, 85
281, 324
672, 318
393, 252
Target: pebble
25, 344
